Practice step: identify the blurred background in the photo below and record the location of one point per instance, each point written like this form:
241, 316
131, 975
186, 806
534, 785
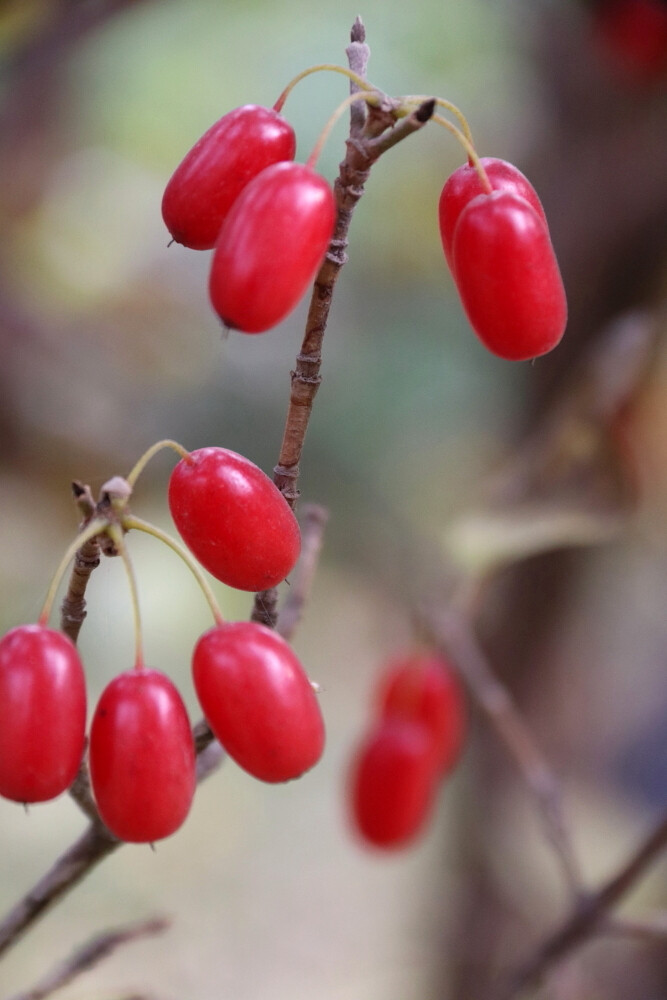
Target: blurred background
108, 344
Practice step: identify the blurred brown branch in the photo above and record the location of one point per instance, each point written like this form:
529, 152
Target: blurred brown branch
590, 915
459, 644
570, 483
90, 954
313, 520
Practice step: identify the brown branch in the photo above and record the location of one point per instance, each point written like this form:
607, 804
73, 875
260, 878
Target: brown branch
589, 916
354, 170
373, 130
73, 607
265, 608
95, 844
649, 928
357, 54
81, 792
455, 635
313, 522
89, 955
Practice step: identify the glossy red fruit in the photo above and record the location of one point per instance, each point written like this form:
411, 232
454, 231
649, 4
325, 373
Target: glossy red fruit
392, 783
42, 713
464, 185
210, 178
270, 246
142, 758
233, 519
507, 276
423, 688
258, 700
633, 36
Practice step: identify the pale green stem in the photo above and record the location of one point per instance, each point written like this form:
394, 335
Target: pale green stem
151, 529
96, 527
153, 450
470, 150
333, 67
116, 535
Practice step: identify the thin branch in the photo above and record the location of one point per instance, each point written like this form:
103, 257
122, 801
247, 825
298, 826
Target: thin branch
358, 54
73, 607
349, 187
649, 928
313, 522
81, 792
405, 127
265, 608
590, 916
365, 145
95, 844
455, 635
89, 955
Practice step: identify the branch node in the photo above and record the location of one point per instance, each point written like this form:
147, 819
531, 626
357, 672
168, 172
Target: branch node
287, 471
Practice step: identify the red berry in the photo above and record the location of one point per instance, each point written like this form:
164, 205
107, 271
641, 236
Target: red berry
42, 713
508, 277
633, 35
258, 700
208, 180
142, 758
423, 688
464, 185
392, 783
270, 246
233, 519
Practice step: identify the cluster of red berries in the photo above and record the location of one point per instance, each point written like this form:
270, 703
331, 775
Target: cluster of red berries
418, 731
255, 694
498, 249
269, 219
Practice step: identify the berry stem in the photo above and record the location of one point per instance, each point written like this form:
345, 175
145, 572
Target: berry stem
141, 464
130, 522
116, 535
466, 142
371, 97
333, 67
96, 527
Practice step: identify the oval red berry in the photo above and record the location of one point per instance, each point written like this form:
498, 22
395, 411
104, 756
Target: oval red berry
211, 176
258, 700
508, 277
464, 185
423, 688
233, 519
42, 713
270, 247
142, 758
392, 783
